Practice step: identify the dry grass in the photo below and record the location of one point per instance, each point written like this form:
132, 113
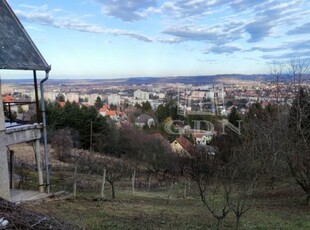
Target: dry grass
282, 209
149, 210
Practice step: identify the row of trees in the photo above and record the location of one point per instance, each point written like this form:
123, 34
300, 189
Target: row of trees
86, 128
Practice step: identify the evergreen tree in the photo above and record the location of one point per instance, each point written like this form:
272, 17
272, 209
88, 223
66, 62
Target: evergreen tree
98, 103
78, 121
138, 106
162, 112
234, 117
113, 107
146, 107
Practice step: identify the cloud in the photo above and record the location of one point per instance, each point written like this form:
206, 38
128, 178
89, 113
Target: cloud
292, 46
192, 8
188, 8
206, 60
37, 17
267, 48
300, 45
258, 30
217, 23
304, 29
289, 55
194, 33
45, 18
129, 11
215, 34
169, 40
264, 17
222, 49
35, 7
79, 26
241, 5
129, 34
73, 23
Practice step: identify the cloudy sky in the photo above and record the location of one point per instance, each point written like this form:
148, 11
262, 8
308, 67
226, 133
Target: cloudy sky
124, 38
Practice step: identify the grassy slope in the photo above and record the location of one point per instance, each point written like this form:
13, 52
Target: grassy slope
149, 210
284, 209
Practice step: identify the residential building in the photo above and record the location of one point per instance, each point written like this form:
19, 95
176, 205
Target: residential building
114, 99
73, 97
92, 98
202, 138
141, 95
143, 120
182, 147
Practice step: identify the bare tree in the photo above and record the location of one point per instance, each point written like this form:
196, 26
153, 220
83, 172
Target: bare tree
276, 71
238, 179
158, 156
116, 170
298, 69
298, 145
62, 144
203, 172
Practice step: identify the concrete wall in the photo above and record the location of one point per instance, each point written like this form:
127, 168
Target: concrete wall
4, 171
22, 134
10, 136
4, 174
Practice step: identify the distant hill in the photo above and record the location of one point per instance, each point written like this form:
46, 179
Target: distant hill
193, 79
206, 79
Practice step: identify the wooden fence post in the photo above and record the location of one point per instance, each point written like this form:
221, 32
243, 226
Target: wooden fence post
103, 183
133, 179
74, 181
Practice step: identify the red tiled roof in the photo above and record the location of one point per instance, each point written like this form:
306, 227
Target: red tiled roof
186, 144
62, 104
104, 109
8, 98
111, 113
199, 135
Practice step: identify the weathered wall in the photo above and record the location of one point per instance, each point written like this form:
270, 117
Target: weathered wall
22, 134
4, 171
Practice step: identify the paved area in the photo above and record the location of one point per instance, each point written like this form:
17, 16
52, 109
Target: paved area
26, 195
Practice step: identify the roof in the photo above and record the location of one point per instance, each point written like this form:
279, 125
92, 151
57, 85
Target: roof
159, 136
143, 118
62, 104
111, 113
8, 98
17, 50
104, 109
186, 144
201, 134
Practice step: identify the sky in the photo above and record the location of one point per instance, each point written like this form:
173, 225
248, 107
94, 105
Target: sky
150, 38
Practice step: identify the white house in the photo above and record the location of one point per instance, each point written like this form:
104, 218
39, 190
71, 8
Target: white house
202, 138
